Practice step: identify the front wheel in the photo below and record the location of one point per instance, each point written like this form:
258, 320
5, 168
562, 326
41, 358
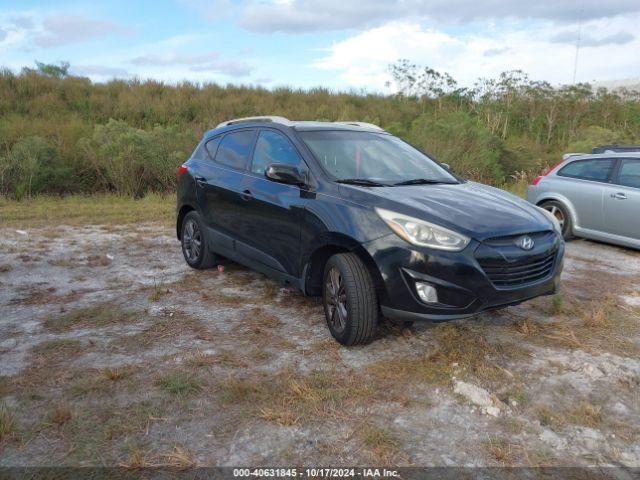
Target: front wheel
562, 215
350, 300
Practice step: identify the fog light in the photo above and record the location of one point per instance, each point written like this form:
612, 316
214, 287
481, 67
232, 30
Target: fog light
427, 292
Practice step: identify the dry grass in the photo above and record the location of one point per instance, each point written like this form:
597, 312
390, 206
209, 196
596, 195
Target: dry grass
7, 422
137, 460
288, 399
260, 318
601, 315
557, 303
88, 382
596, 314
117, 373
501, 450
381, 444
226, 358
179, 383
162, 330
598, 323
97, 261
270, 289
549, 417
585, 414
82, 210
35, 295
95, 316
158, 291
59, 415
58, 350
459, 348
178, 459
5, 386
582, 413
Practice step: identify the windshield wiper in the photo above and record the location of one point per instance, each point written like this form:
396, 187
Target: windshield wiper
424, 181
365, 182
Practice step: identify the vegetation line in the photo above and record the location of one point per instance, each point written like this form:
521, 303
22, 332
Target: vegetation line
61, 134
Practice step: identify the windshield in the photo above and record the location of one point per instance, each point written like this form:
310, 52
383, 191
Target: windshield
375, 157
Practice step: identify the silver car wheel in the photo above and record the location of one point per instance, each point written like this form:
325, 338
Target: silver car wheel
556, 212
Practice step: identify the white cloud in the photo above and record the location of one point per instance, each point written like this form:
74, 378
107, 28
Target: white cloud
588, 40
99, 71
174, 58
22, 21
301, 16
63, 29
201, 62
362, 60
226, 67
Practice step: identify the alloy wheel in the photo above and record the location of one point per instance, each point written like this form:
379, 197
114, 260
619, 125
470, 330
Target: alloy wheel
336, 300
192, 240
556, 212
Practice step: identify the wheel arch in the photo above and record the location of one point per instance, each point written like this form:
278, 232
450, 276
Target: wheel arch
337, 243
564, 201
181, 214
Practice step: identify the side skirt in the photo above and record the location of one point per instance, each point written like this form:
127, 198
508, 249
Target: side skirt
226, 246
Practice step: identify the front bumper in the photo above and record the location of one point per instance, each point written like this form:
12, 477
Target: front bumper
461, 279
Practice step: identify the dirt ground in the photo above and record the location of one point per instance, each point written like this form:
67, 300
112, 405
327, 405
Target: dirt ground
114, 352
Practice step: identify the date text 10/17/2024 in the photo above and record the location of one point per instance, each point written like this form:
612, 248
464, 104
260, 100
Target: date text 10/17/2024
315, 472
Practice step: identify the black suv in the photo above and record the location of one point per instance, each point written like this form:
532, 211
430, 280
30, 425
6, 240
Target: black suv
351, 213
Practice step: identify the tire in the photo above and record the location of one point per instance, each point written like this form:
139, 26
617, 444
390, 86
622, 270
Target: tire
194, 242
559, 211
349, 299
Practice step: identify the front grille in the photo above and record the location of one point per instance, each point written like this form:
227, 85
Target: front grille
519, 273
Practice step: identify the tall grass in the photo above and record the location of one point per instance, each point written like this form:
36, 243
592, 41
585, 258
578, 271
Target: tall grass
68, 135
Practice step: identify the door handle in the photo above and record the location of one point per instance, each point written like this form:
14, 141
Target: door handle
246, 195
619, 196
201, 181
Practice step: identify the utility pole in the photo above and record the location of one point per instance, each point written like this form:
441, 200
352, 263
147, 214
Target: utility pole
575, 60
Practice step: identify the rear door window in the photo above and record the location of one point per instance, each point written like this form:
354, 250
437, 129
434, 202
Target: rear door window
629, 173
235, 148
597, 169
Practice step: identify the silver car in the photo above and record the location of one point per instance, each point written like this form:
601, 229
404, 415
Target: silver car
593, 196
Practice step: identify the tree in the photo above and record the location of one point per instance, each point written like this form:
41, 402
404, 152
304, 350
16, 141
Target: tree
50, 70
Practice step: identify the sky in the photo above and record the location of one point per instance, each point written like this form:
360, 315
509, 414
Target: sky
336, 44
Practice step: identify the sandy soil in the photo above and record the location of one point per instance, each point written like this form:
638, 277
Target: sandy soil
114, 352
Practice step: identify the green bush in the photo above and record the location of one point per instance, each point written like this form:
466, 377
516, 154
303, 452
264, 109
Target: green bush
594, 135
461, 141
57, 136
132, 161
32, 166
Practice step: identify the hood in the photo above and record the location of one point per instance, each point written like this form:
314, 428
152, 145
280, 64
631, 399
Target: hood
473, 209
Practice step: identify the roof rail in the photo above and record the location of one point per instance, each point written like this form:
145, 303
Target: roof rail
616, 148
266, 118
362, 124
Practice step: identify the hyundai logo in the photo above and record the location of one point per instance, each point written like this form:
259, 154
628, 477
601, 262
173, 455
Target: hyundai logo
525, 242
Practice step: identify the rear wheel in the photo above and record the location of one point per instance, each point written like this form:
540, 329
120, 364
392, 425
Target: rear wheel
562, 215
194, 243
349, 298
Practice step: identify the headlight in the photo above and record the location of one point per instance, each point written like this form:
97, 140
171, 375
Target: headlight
421, 233
554, 220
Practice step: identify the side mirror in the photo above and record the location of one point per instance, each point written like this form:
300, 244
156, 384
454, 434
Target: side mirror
447, 166
289, 174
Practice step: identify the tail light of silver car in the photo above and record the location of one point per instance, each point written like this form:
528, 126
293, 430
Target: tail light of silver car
536, 180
